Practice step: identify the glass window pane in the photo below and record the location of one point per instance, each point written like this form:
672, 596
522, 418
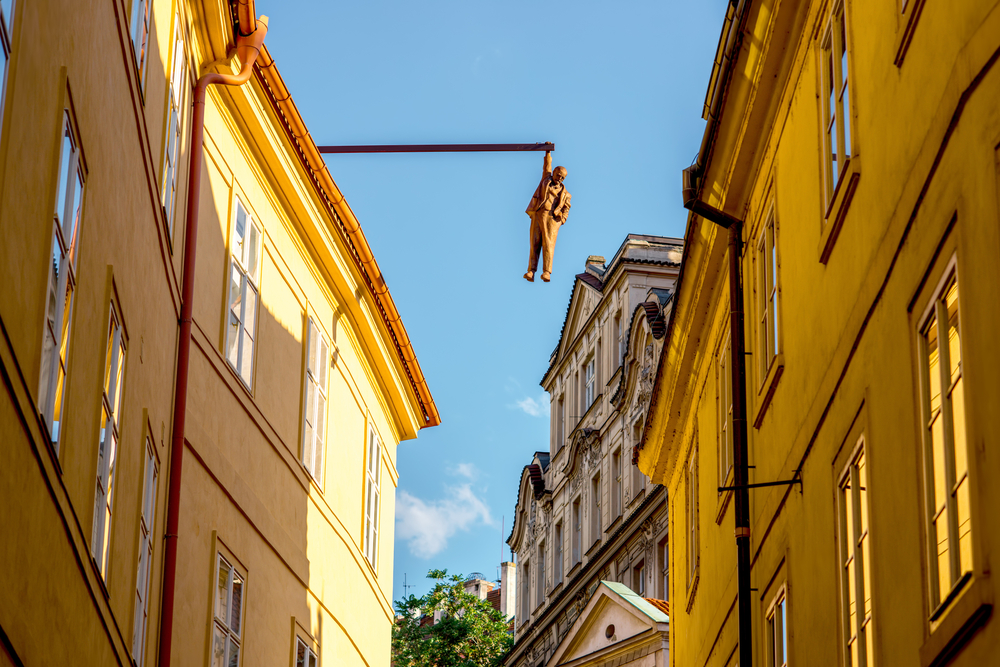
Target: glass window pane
300, 653
324, 363
222, 591
237, 604
77, 207
218, 648
958, 421
253, 250
940, 530
239, 233
234, 654
65, 158
964, 526
845, 114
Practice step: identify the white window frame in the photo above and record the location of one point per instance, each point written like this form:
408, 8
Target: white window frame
953, 481
590, 369
561, 423
540, 573
768, 335
725, 410
176, 114
557, 556
139, 27
305, 656
526, 591
62, 279
314, 409
243, 293
638, 477
835, 94
639, 578
595, 508
108, 440
373, 472
855, 559
147, 522
227, 631
777, 628
619, 340
616, 484
577, 518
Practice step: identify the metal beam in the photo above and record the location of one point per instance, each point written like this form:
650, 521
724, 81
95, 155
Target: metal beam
438, 148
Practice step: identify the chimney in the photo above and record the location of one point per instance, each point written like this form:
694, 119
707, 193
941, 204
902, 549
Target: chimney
595, 265
508, 589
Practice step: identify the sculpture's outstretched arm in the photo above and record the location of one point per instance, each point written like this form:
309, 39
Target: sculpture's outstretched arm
547, 165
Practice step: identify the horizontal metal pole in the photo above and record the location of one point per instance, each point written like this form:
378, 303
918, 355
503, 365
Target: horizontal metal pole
437, 148
754, 486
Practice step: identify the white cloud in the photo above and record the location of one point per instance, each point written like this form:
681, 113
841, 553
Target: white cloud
535, 407
427, 526
466, 470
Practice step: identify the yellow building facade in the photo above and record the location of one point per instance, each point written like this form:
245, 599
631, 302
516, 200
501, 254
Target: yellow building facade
853, 145
301, 379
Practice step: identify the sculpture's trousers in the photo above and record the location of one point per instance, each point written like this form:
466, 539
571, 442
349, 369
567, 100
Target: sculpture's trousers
544, 230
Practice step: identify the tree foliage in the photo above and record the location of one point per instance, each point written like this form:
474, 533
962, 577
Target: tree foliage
471, 633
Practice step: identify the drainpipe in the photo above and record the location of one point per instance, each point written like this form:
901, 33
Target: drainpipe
247, 48
692, 191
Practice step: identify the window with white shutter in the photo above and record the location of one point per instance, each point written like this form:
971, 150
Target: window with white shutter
314, 419
146, 521
373, 468
244, 274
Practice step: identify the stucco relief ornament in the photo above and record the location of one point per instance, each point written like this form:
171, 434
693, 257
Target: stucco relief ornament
548, 209
646, 377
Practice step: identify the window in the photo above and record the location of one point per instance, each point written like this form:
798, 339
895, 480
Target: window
767, 298
577, 531
836, 100
664, 556
725, 411
588, 399
373, 473
6, 23
107, 446
62, 281
525, 591
619, 343
691, 489
176, 95
616, 484
229, 593
557, 561
304, 655
638, 479
561, 423
777, 634
140, 37
243, 290
855, 562
146, 520
314, 420
595, 508
540, 574
639, 579
945, 453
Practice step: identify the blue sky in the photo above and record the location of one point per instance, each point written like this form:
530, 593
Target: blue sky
617, 86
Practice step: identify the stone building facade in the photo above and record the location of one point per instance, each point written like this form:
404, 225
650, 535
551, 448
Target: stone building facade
584, 512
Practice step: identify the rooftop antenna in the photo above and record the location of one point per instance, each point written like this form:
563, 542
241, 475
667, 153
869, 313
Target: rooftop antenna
406, 586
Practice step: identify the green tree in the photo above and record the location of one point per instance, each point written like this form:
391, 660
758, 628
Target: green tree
471, 633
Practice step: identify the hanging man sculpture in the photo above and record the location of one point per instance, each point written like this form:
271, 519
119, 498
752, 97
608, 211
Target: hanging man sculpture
548, 210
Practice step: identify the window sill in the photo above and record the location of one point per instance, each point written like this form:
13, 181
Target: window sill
637, 497
837, 210
907, 26
767, 387
692, 589
593, 548
614, 525
575, 570
955, 626
555, 589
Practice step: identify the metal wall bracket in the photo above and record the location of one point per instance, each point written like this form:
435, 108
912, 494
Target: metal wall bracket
783, 482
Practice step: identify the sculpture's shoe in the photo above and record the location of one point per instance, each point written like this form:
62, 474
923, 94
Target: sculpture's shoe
530, 276
546, 275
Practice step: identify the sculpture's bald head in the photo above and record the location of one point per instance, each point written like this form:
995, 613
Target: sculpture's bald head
558, 174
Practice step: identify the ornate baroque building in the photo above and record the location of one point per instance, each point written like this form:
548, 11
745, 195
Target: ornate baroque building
585, 512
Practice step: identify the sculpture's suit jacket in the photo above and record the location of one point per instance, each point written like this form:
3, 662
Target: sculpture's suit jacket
562, 203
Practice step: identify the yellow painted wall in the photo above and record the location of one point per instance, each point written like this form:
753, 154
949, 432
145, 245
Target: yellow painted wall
244, 489
925, 133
